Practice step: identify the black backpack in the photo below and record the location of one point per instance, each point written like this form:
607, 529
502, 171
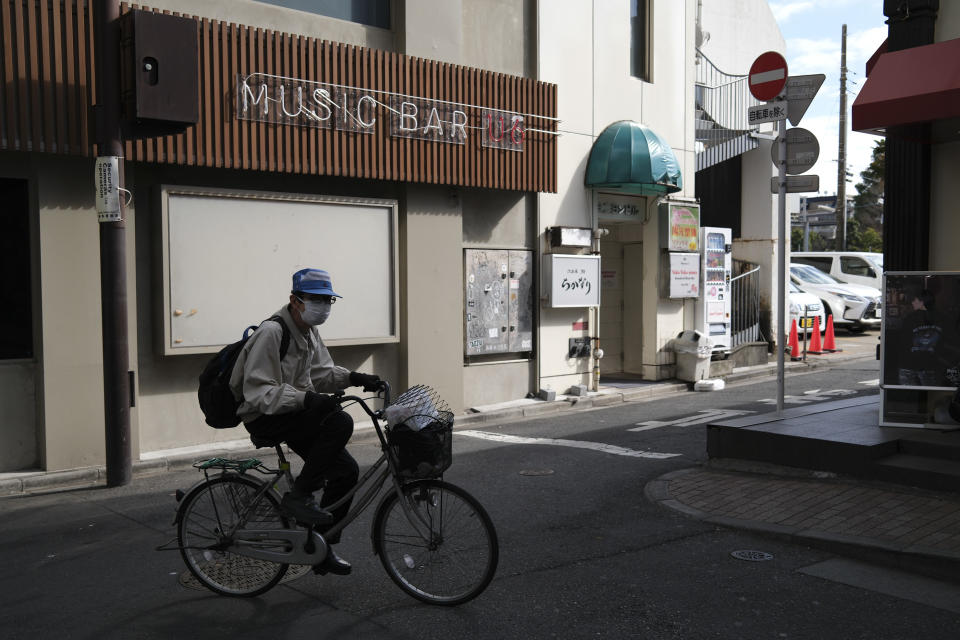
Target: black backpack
216, 399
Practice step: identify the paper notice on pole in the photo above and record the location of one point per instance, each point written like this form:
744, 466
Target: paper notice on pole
107, 186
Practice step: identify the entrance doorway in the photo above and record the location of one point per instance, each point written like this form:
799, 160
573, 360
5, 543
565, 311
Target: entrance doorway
621, 328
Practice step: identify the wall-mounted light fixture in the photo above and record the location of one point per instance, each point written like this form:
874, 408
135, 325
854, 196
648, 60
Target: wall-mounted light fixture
570, 236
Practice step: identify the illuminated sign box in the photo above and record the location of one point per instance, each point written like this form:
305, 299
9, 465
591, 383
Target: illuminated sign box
680, 227
571, 280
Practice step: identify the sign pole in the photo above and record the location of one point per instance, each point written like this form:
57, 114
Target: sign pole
781, 256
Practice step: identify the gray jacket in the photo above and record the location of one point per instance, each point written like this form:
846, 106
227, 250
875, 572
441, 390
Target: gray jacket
269, 386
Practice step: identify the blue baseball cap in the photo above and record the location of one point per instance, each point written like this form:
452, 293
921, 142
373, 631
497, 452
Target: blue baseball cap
314, 281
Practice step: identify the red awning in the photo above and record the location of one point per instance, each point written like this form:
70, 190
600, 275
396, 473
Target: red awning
921, 84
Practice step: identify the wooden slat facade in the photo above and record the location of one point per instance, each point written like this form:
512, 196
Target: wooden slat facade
47, 89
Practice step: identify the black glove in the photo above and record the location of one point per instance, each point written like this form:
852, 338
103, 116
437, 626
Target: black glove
369, 381
320, 402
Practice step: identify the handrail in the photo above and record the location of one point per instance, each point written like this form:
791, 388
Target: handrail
734, 278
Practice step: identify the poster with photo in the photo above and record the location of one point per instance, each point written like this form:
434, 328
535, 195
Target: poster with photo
920, 336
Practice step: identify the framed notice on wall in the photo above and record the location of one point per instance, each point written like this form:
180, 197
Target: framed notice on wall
684, 275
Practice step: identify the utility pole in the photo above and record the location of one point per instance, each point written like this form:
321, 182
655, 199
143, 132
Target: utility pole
842, 154
113, 259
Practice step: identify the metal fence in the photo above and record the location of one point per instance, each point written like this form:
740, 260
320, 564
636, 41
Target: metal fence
745, 304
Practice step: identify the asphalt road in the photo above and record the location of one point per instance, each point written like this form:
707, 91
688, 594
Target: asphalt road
583, 553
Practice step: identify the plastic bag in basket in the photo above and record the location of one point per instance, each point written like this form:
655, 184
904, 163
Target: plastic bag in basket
416, 408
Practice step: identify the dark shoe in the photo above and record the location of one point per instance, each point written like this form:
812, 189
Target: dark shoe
305, 509
333, 564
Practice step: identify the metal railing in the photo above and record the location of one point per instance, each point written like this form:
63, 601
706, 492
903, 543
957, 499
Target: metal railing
745, 304
722, 127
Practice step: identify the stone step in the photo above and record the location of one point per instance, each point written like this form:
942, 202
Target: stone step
939, 474
938, 449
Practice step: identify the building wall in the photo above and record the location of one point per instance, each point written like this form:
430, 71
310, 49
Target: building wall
585, 50
739, 31
945, 191
944, 221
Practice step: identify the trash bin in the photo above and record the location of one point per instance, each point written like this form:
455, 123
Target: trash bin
693, 351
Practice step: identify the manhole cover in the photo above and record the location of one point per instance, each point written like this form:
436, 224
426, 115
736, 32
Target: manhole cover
294, 571
537, 472
752, 555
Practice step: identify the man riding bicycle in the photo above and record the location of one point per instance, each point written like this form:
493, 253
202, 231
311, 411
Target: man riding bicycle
288, 400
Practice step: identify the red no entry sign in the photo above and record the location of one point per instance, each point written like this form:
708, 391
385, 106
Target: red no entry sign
768, 75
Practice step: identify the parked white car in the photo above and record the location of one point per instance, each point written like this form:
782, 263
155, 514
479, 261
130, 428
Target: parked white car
853, 306
849, 267
803, 308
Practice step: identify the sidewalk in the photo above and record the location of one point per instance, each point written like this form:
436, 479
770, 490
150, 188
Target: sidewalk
913, 529
28, 482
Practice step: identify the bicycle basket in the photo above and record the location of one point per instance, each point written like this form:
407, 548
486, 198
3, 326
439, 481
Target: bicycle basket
420, 433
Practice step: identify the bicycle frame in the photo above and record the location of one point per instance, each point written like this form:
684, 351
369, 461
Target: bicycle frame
304, 545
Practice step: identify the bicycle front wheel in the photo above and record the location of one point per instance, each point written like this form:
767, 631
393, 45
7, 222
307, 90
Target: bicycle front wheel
208, 516
436, 542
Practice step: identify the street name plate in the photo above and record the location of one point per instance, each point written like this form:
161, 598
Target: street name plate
797, 184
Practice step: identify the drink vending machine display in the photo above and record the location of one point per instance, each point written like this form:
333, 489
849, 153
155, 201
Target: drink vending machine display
713, 307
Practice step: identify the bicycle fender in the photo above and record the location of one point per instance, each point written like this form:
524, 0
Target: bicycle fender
192, 490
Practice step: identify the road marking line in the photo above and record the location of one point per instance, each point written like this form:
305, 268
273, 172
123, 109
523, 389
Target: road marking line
576, 444
704, 415
870, 383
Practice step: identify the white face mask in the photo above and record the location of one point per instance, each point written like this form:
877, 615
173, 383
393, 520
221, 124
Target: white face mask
315, 313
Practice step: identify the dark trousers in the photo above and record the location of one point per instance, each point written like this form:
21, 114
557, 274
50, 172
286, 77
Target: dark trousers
320, 439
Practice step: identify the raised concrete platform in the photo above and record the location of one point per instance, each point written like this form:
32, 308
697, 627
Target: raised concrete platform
842, 437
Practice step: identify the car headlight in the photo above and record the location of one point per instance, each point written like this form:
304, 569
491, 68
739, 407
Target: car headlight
813, 307
847, 296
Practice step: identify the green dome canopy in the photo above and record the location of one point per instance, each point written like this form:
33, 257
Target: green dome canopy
629, 157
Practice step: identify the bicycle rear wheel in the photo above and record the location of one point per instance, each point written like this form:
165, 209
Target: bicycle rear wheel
448, 554
207, 516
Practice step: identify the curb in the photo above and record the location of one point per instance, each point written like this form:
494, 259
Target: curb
934, 563
35, 482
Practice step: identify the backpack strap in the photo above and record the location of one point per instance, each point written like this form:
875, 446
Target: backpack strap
285, 338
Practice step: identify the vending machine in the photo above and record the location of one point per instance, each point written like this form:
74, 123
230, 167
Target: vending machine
713, 306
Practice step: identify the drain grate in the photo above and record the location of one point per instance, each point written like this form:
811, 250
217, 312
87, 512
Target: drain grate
752, 555
294, 571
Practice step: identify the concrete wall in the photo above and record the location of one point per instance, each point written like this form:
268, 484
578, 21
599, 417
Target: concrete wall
944, 221
585, 50
739, 30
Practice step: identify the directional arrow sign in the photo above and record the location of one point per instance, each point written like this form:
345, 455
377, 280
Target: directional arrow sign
797, 184
800, 93
802, 150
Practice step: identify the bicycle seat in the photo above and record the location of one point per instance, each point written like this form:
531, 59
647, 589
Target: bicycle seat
262, 441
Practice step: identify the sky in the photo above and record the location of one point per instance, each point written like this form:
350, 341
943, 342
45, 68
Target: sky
813, 32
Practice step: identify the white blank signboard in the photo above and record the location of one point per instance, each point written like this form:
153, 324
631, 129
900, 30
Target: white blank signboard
228, 258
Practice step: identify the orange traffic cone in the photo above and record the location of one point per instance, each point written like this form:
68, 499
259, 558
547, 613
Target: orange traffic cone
793, 345
815, 338
828, 344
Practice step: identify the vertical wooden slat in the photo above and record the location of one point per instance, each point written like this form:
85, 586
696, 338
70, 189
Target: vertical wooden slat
47, 88
9, 87
23, 89
216, 79
259, 48
32, 38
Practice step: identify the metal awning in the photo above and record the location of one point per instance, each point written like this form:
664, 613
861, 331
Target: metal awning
629, 157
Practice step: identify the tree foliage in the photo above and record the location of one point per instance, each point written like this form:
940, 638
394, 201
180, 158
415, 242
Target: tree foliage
865, 230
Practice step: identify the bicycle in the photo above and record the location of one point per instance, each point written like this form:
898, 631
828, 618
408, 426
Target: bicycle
435, 540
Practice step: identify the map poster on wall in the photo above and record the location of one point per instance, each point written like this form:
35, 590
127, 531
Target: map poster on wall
684, 275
